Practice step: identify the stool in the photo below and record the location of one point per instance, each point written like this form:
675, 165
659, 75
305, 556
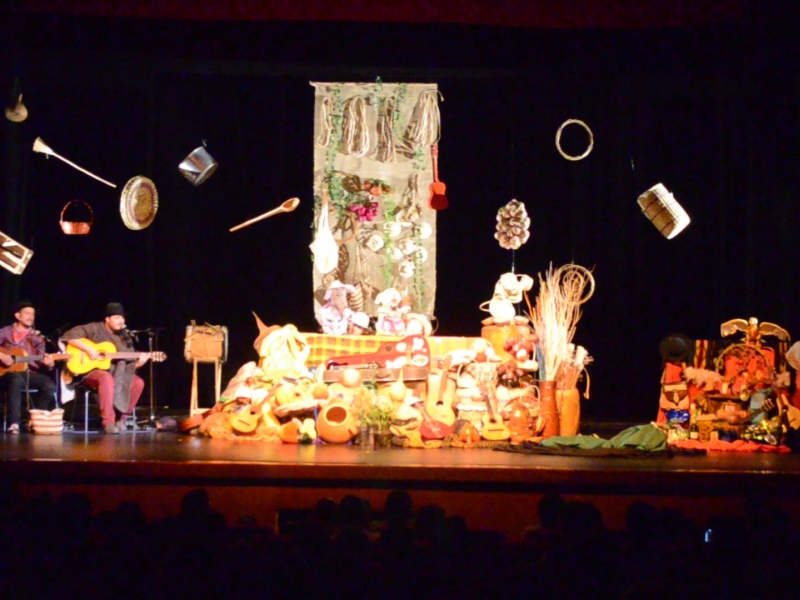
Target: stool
82, 389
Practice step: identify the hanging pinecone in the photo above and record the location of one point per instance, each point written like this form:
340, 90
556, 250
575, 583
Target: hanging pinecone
512, 225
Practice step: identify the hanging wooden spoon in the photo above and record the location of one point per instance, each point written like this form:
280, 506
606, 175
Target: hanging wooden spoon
287, 206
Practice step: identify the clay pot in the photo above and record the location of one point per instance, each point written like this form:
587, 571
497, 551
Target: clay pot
547, 396
336, 423
568, 403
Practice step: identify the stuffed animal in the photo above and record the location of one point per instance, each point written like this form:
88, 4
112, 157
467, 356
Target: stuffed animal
335, 316
390, 313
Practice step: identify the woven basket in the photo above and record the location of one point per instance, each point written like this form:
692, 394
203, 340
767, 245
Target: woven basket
47, 422
76, 227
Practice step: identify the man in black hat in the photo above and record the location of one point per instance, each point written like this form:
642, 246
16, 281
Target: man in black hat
119, 388
21, 338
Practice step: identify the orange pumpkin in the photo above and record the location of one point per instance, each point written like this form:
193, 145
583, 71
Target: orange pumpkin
289, 432
469, 435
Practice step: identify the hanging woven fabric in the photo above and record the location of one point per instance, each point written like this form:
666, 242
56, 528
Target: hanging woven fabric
326, 123
386, 151
355, 130
424, 129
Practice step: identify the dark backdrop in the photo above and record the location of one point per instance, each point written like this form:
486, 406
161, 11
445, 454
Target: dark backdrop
710, 110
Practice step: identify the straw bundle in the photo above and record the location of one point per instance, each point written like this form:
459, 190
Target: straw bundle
556, 314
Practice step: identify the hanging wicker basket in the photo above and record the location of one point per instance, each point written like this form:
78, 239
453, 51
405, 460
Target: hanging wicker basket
76, 227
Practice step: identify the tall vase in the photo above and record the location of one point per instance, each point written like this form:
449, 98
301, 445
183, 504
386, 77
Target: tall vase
549, 408
568, 403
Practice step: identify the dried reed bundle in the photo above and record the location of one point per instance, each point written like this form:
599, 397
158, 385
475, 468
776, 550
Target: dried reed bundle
556, 314
355, 130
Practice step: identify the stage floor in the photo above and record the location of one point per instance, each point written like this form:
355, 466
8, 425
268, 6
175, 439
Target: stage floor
491, 489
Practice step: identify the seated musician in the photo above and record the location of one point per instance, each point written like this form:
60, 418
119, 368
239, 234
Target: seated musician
119, 388
20, 337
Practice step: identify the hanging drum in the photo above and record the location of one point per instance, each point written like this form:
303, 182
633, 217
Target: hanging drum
138, 203
198, 166
13, 255
663, 210
76, 227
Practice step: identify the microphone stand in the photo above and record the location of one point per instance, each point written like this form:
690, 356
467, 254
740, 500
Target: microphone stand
152, 335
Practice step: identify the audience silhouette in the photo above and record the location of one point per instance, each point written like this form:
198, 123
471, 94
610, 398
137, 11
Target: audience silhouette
61, 548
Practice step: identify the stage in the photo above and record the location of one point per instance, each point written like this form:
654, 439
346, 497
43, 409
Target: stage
490, 489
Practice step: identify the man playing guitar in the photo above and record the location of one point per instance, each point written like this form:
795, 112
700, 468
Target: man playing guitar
20, 336
119, 388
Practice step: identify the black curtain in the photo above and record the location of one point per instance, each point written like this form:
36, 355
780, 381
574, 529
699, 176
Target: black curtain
711, 113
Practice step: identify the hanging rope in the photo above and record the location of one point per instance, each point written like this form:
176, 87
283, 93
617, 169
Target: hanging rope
355, 131
386, 150
425, 127
326, 123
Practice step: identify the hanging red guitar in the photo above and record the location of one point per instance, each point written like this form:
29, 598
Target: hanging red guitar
437, 199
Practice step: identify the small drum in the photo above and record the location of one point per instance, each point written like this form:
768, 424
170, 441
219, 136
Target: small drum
47, 422
206, 343
13, 255
663, 210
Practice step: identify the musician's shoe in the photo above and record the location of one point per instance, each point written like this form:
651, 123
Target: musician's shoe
13, 429
122, 425
111, 429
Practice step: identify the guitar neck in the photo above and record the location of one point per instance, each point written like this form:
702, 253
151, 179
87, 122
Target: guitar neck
435, 161
488, 401
125, 355
36, 357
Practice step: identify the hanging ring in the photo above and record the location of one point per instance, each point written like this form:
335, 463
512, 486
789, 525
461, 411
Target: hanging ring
558, 140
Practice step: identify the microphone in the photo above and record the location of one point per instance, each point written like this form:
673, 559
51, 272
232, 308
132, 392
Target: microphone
148, 330
41, 335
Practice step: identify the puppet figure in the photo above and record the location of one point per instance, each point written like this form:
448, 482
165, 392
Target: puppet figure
390, 313
334, 317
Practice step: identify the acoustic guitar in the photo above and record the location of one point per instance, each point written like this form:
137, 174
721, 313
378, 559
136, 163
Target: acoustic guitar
440, 396
494, 430
437, 200
79, 362
246, 420
430, 428
22, 358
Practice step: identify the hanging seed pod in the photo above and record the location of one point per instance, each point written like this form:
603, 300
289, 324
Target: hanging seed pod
512, 225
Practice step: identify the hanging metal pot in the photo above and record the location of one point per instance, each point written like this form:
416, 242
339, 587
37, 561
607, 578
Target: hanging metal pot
198, 166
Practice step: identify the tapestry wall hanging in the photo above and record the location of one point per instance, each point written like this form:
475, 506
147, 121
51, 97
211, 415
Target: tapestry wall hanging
372, 174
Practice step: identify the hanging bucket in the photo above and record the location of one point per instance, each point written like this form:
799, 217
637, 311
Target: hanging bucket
663, 210
198, 166
76, 227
